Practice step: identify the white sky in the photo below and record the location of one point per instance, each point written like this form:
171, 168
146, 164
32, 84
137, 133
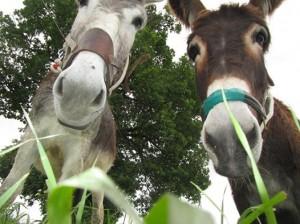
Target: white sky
282, 62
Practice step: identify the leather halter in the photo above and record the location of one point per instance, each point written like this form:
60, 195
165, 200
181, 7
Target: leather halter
234, 94
97, 41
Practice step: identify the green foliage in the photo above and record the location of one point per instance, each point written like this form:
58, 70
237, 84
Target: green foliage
4, 198
13, 215
94, 179
158, 125
27, 41
51, 181
297, 122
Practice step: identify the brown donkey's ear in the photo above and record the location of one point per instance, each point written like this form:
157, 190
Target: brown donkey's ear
186, 10
266, 6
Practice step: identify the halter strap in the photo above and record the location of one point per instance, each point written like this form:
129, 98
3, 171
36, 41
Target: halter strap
97, 41
269, 107
233, 94
122, 77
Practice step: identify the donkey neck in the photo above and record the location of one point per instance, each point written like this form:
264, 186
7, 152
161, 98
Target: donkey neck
279, 165
280, 158
281, 139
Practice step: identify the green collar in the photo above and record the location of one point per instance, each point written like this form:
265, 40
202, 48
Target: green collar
233, 94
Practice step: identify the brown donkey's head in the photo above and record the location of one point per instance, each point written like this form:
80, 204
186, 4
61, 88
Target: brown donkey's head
227, 47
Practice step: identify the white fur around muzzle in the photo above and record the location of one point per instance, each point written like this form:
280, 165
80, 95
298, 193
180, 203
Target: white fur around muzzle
218, 123
82, 82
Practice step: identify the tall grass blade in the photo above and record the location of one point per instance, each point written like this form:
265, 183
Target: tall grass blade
170, 210
81, 204
295, 119
60, 205
252, 214
13, 214
94, 180
79, 213
43, 156
7, 194
10, 149
262, 190
222, 207
209, 199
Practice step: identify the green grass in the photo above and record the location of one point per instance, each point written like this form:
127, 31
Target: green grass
13, 215
15, 147
295, 119
4, 198
81, 205
221, 210
51, 181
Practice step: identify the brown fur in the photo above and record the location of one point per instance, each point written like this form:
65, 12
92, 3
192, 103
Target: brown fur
279, 166
185, 9
229, 22
231, 51
267, 6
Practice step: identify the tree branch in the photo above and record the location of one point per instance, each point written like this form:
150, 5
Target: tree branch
141, 59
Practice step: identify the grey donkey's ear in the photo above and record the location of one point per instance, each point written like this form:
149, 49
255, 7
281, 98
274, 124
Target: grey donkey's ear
266, 6
186, 11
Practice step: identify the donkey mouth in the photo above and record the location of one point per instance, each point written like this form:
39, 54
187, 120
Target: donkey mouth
233, 172
80, 128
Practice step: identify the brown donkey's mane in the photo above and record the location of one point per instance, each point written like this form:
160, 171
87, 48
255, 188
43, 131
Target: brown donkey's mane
228, 46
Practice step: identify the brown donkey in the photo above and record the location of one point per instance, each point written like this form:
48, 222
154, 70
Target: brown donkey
228, 47
74, 102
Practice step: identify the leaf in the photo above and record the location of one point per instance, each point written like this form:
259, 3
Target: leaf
250, 214
208, 198
81, 207
51, 183
60, 205
3, 152
170, 210
295, 118
7, 194
94, 180
222, 207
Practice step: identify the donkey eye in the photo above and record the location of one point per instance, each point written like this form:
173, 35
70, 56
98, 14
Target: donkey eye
83, 2
137, 22
261, 37
193, 51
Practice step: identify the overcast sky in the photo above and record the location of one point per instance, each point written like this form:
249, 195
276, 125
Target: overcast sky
282, 62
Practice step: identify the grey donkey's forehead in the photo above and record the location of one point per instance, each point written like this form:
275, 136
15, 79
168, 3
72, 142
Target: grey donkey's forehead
119, 5
127, 3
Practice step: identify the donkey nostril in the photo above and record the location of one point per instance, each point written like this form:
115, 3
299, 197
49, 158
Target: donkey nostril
59, 87
252, 136
98, 100
210, 140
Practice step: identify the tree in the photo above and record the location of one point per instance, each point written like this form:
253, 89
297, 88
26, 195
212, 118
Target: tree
156, 108
28, 40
